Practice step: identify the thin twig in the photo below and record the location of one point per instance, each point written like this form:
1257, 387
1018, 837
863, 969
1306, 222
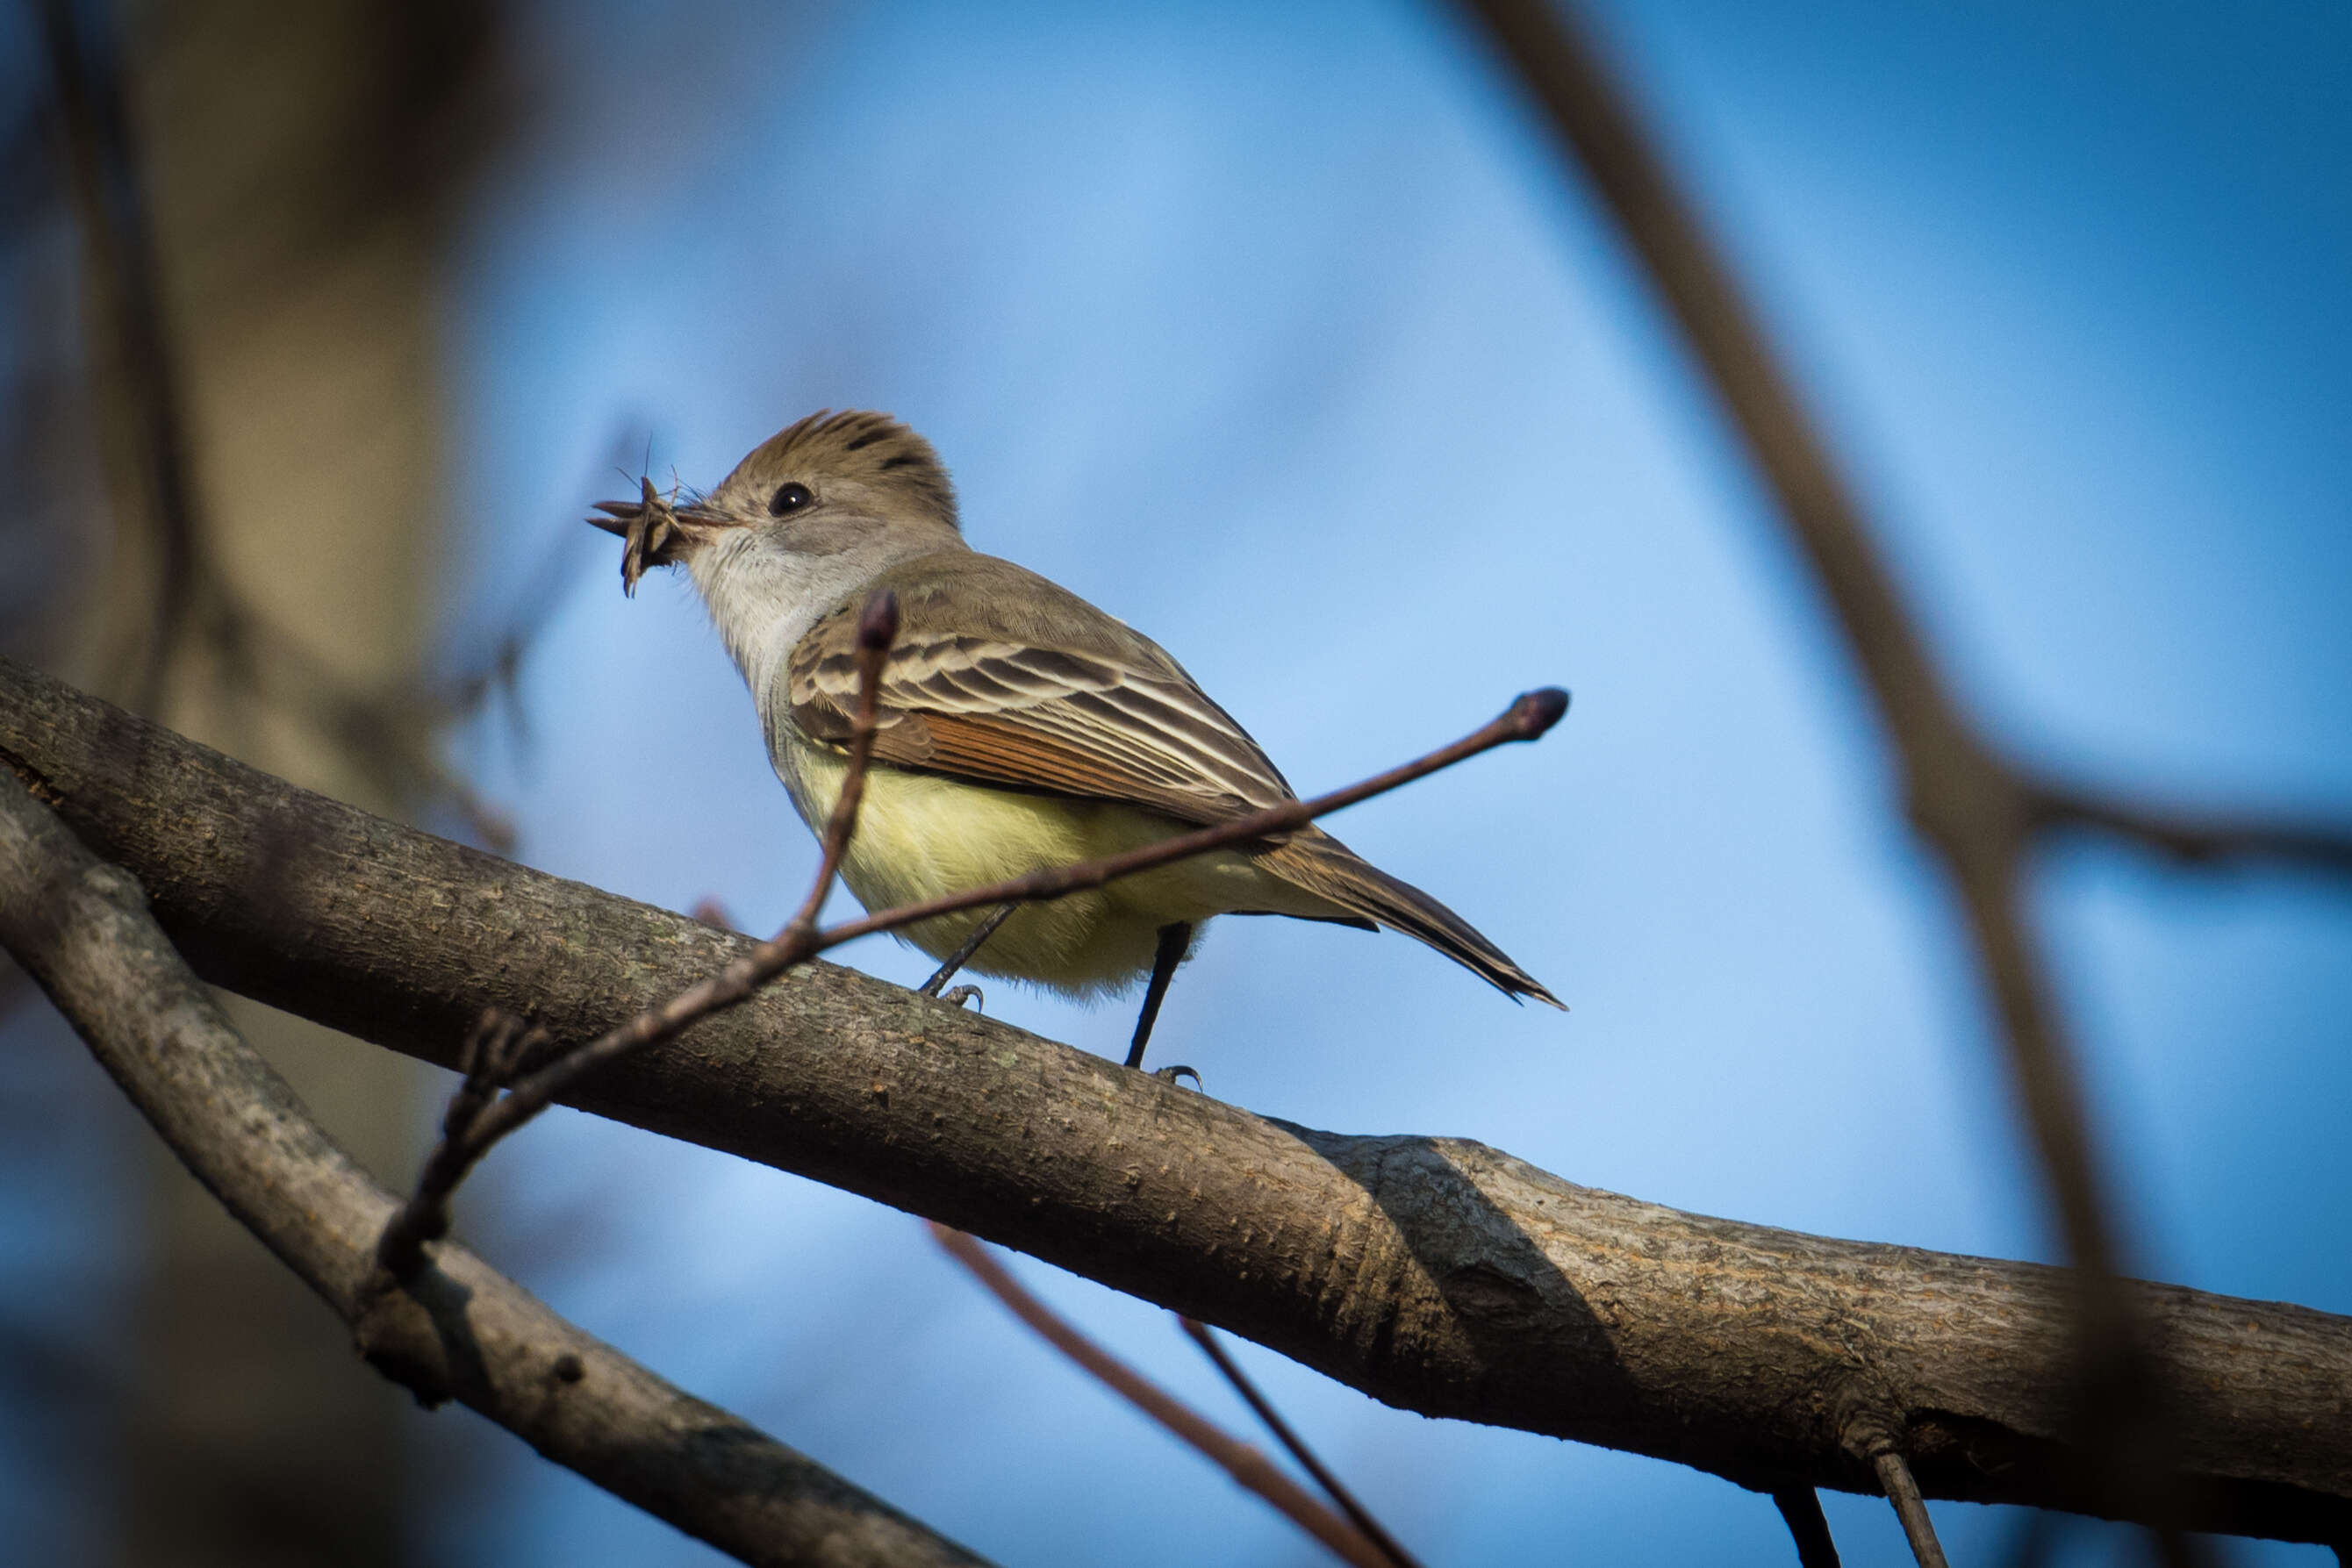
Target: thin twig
1283, 1433
477, 1118
1527, 718
499, 1045
1909, 1507
952, 964
1237, 1458
877, 628
1801, 1509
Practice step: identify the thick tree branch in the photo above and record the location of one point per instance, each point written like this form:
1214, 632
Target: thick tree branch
1436, 1275
460, 1330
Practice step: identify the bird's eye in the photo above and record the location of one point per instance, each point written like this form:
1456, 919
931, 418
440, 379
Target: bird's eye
790, 498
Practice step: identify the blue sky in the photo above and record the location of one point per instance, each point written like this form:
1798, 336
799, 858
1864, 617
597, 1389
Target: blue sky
1277, 332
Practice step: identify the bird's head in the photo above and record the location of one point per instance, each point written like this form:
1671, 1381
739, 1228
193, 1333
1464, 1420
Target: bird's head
832, 484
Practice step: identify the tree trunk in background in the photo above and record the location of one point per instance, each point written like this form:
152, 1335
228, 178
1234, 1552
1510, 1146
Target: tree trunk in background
298, 158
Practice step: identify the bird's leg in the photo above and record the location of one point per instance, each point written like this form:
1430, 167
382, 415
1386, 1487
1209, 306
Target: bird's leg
1173, 940
962, 956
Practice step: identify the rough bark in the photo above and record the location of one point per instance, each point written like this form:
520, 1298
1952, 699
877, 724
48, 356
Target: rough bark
460, 1330
1436, 1275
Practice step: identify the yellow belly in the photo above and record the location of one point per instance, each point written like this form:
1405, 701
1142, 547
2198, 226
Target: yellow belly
920, 836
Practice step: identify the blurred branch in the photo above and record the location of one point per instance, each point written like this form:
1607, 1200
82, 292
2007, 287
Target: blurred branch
1962, 798
387, 731
1358, 1514
1235, 1458
1978, 812
460, 1330
2199, 840
1435, 1274
131, 356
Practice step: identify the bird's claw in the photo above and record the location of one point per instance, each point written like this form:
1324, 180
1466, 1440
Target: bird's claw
1170, 1074
958, 996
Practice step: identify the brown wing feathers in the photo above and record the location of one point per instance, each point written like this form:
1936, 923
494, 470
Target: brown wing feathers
1009, 754
1117, 721
1036, 717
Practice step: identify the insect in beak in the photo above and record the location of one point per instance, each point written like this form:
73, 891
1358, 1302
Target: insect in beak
658, 531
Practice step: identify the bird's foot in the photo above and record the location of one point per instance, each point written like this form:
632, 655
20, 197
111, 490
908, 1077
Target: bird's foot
1170, 1074
962, 993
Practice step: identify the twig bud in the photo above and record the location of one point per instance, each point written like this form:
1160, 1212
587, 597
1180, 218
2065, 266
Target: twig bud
877, 624
1537, 711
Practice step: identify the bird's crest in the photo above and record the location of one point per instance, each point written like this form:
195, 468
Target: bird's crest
861, 445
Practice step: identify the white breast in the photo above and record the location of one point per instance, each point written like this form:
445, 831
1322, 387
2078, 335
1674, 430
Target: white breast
764, 599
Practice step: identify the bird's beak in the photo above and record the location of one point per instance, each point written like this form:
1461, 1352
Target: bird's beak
658, 532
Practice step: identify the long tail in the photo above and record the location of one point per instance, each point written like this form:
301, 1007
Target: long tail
1324, 866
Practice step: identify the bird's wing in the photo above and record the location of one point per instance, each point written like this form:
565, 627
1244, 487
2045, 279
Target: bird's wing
1009, 680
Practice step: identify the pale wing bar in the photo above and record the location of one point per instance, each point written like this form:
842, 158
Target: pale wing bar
1138, 735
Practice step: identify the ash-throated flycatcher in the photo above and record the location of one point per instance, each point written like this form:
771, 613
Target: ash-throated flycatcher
1021, 726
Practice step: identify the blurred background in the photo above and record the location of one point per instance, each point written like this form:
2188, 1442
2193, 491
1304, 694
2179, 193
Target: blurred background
1277, 332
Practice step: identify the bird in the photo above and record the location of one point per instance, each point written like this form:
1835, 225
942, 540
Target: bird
1019, 727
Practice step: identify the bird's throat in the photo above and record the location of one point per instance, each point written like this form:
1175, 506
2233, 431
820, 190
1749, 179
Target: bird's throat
763, 600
